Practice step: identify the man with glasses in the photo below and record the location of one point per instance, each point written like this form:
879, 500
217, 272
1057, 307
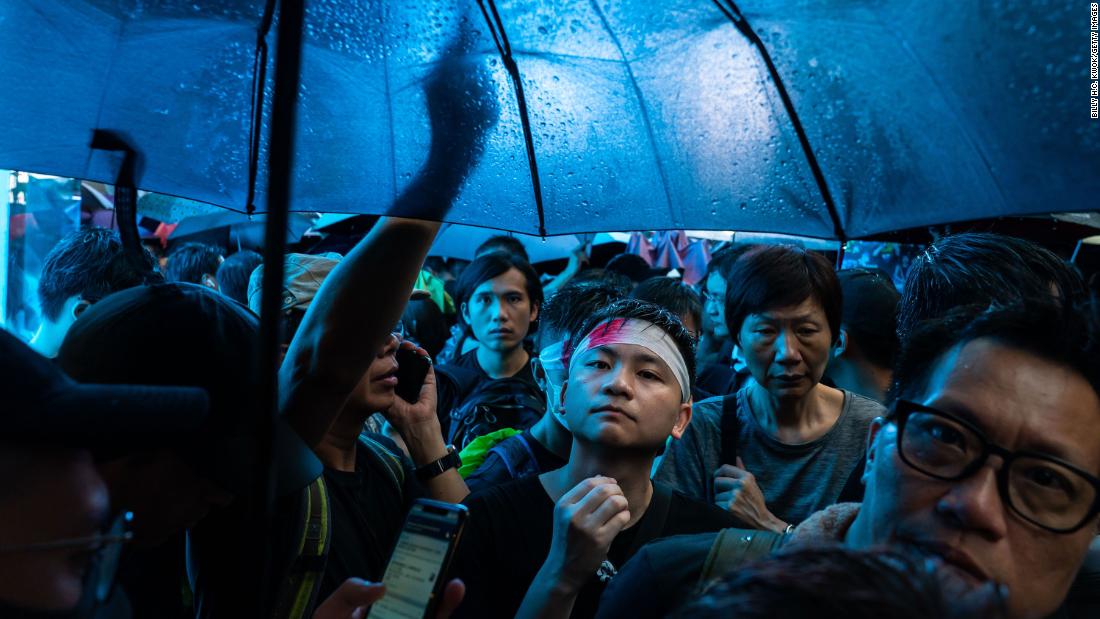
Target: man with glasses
59, 543
988, 461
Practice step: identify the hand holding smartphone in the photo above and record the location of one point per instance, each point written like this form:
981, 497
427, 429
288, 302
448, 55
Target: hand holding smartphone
412, 368
417, 571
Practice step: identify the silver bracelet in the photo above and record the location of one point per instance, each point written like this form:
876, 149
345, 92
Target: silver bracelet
789, 529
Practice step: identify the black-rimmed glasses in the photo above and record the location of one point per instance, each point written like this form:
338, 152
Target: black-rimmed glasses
107, 547
1048, 492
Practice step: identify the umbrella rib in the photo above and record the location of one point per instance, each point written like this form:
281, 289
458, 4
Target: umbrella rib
733, 13
389, 109
677, 219
500, 37
259, 77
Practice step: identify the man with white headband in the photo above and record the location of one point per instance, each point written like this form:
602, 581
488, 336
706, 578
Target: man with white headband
547, 546
545, 446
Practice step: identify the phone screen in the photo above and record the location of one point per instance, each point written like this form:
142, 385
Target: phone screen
418, 560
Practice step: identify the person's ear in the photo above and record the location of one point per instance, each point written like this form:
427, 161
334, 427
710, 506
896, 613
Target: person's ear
79, 308
873, 434
534, 312
561, 398
841, 345
683, 418
465, 311
209, 281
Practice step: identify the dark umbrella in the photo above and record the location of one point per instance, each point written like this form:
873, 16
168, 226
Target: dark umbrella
238, 224
614, 115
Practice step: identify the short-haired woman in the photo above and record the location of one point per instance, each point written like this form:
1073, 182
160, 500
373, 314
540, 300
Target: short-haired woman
785, 445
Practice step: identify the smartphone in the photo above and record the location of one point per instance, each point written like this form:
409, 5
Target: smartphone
418, 567
411, 370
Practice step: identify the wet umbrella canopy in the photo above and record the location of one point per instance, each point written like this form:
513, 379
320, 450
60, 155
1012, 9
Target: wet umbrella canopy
642, 114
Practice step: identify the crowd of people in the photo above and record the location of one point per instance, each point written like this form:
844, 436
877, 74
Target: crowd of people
788, 440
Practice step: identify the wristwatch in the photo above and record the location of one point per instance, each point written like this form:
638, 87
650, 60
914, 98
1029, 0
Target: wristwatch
434, 469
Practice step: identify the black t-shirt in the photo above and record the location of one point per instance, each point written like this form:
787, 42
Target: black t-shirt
513, 458
658, 579
508, 535
368, 511
454, 381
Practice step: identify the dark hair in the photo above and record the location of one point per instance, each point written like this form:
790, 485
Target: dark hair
722, 261
671, 294
503, 243
870, 314
573, 304
828, 582
435, 264
425, 325
190, 261
493, 265
1057, 333
644, 310
774, 276
633, 266
980, 268
234, 273
603, 276
90, 263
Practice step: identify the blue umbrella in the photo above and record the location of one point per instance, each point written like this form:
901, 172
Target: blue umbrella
837, 119
457, 241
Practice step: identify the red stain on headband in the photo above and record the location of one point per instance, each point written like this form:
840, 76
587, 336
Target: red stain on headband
606, 333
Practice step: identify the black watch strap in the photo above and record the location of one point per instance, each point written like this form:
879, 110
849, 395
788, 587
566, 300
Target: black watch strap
440, 466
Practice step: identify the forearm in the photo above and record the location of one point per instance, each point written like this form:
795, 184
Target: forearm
363, 297
350, 318
561, 279
425, 445
548, 597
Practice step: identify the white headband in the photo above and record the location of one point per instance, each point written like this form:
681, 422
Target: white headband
641, 333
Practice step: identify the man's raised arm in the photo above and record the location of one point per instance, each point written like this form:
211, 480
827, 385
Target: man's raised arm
363, 298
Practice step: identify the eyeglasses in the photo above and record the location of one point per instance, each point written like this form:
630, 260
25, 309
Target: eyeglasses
1050, 493
710, 298
107, 547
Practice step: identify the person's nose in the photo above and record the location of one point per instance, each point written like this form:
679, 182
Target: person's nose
618, 382
787, 349
390, 347
497, 311
974, 504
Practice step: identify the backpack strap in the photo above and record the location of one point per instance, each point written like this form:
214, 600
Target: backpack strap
731, 429
736, 547
390, 461
297, 596
852, 492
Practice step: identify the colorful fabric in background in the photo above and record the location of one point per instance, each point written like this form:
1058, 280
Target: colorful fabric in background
434, 286
473, 455
894, 259
672, 250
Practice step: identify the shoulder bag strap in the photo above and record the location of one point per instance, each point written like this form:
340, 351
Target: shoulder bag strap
298, 595
736, 547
